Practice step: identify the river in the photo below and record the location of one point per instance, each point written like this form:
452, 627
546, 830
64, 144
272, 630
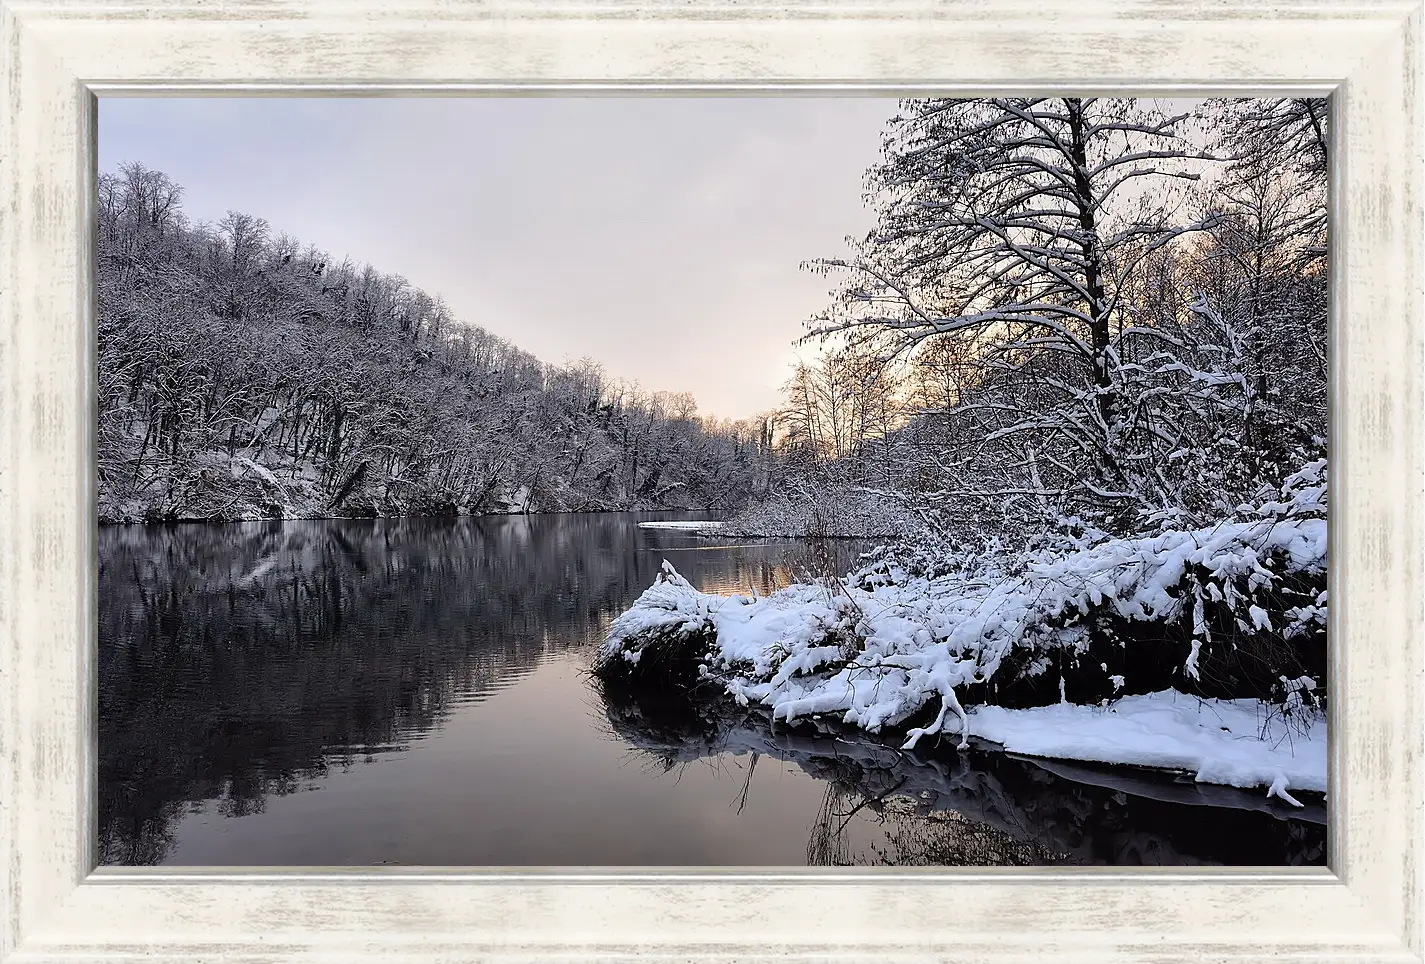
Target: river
415, 691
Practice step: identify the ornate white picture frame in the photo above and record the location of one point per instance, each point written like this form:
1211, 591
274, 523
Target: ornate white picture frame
59, 55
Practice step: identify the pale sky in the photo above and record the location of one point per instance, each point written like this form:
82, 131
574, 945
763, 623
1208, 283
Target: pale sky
659, 236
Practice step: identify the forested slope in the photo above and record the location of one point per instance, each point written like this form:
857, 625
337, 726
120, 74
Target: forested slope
242, 375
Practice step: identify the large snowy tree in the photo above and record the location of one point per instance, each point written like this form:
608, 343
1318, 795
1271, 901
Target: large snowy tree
1045, 246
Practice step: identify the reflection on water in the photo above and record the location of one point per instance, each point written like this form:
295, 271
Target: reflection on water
239, 662
984, 807
249, 672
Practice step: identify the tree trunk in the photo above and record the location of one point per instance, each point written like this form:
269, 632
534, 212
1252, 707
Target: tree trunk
1093, 274
334, 447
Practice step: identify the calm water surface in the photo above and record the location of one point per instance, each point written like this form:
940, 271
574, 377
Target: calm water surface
414, 691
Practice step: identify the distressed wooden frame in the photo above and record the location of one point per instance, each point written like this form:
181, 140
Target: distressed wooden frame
59, 54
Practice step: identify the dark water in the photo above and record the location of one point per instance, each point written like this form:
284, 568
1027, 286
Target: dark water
413, 691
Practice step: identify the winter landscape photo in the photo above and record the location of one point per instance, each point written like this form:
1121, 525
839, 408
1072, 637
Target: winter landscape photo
712, 481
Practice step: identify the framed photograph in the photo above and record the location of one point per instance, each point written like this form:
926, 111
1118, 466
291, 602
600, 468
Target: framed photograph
711, 482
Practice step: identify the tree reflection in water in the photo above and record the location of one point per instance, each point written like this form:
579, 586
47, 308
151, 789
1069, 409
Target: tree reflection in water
983, 807
243, 661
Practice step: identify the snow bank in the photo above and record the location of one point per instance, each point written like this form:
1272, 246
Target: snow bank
1107, 621
1239, 743
688, 526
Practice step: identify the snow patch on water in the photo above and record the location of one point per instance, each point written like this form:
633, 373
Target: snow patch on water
1239, 743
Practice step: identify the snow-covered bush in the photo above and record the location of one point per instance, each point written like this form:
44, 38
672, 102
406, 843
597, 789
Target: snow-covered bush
665, 640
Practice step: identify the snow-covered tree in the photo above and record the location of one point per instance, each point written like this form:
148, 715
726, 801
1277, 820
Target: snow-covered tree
1091, 294
1017, 226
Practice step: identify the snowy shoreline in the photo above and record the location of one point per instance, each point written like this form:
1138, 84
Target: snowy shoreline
707, 728
1196, 650
762, 652
110, 520
721, 530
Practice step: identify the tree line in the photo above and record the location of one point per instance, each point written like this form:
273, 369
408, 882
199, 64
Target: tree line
242, 374
1109, 312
